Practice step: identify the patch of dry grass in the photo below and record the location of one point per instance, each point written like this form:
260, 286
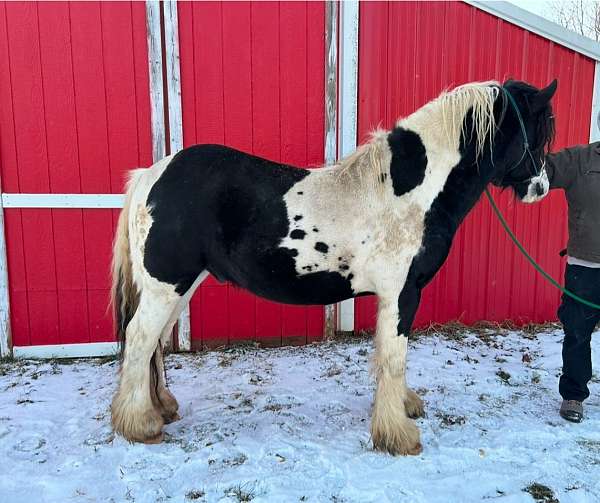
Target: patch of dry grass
541, 493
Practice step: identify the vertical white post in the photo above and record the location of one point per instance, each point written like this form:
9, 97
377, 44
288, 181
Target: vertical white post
175, 128
347, 92
173, 76
155, 65
5, 336
331, 50
595, 119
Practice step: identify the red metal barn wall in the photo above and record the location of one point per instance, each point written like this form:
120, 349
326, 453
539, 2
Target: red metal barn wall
74, 116
408, 52
252, 77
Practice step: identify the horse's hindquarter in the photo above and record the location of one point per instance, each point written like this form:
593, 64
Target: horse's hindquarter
219, 209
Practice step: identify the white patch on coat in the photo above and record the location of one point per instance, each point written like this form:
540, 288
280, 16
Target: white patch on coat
365, 226
537, 181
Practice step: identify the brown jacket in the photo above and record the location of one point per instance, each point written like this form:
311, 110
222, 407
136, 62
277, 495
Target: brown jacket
577, 171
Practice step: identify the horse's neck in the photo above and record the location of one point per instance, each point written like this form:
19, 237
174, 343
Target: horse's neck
433, 128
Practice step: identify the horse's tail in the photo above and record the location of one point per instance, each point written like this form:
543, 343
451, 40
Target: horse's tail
124, 294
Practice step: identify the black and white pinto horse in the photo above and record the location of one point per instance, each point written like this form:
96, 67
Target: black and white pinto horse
380, 221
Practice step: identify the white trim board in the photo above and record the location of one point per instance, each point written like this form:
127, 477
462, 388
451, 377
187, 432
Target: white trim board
172, 67
539, 25
155, 67
63, 200
595, 115
5, 331
84, 350
347, 109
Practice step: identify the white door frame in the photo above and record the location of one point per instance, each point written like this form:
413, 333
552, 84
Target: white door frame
347, 110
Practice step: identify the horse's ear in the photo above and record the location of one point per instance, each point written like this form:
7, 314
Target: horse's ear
543, 97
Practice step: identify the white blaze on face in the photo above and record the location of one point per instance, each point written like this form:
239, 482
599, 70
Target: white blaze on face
538, 187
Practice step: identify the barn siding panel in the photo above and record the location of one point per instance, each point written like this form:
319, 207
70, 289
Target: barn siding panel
252, 77
74, 118
484, 277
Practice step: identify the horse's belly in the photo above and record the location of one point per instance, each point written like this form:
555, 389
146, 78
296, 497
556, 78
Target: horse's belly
273, 275
310, 289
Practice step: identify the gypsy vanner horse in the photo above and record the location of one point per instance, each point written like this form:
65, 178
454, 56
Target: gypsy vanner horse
379, 221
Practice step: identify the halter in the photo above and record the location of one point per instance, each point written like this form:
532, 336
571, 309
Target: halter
526, 149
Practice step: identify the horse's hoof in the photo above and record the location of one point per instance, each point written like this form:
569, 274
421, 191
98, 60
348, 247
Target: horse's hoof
157, 439
416, 450
414, 405
171, 418
398, 437
398, 449
134, 425
168, 406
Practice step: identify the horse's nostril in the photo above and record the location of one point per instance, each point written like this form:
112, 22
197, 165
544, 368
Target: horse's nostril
539, 189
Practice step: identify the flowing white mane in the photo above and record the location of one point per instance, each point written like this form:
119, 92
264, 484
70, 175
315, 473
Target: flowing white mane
446, 112
478, 96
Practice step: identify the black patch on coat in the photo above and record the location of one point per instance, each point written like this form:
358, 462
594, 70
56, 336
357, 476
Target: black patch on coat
409, 160
298, 217
218, 209
321, 247
315, 229
383, 177
462, 190
344, 267
297, 234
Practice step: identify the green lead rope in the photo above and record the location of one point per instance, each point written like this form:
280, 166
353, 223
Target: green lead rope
537, 267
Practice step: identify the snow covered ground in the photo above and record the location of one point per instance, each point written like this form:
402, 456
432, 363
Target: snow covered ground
292, 424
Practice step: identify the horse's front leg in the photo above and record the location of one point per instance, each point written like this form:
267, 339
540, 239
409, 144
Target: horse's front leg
391, 428
408, 303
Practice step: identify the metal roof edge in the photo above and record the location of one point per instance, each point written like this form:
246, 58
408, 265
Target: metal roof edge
539, 25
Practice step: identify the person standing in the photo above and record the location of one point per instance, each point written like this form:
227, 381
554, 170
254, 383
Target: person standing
576, 170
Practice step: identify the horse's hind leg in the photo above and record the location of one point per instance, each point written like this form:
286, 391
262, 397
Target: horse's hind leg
164, 400
134, 414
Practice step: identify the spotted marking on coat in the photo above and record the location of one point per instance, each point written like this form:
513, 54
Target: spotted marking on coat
321, 247
143, 222
297, 234
298, 217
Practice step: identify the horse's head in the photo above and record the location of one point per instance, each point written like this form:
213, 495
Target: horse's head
525, 131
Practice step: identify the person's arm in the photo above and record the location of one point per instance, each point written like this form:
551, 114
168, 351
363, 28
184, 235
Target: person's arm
562, 167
